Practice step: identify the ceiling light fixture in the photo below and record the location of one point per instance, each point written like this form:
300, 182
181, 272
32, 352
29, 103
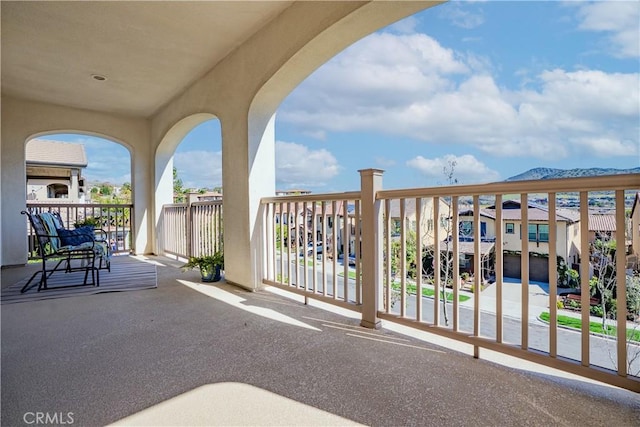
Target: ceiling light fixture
98, 77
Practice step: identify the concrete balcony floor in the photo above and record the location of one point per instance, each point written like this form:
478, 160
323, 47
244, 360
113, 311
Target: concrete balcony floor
188, 353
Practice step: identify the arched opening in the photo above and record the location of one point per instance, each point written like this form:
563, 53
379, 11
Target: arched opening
87, 179
198, 163
95, 168
433, 109
188, 166
57, 191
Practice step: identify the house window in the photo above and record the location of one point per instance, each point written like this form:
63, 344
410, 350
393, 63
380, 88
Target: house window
538, 232
466, 228
509, 228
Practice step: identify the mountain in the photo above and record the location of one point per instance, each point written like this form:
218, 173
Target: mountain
551, 173
535, 173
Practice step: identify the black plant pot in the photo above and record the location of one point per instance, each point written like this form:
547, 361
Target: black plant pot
210, 274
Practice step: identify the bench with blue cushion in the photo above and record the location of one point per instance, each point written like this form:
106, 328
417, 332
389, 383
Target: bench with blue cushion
74, 250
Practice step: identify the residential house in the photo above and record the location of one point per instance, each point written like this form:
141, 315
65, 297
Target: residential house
208, 196
567, 243
293, 192
54, 171
300, 216
466, 247
602, 227
428, 223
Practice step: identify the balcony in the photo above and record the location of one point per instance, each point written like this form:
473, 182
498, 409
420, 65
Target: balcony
187, 353
193, 353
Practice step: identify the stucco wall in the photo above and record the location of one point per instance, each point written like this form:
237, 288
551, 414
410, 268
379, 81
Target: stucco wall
244, 91
23, 120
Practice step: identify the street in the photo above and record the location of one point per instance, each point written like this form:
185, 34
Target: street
602, 350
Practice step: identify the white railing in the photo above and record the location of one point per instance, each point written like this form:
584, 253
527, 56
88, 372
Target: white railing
193, 229
312, 240
470, 301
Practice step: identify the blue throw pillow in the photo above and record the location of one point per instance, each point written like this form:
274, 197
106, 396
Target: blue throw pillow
77, 236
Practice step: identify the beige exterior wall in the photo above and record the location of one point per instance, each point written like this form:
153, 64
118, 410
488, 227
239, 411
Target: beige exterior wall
490, 224
429, 222
567, 244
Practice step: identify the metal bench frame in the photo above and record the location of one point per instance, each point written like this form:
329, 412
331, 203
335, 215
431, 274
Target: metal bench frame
87, 257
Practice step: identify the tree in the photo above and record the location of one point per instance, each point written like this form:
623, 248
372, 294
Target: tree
410, 255
178, 189
603, 285
106, 189
446, 256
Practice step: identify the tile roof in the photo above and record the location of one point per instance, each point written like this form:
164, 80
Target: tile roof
535, 213
44, 152
602, 223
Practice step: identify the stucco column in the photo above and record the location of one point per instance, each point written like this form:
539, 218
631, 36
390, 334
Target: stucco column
73, 191
370, 184
248, 174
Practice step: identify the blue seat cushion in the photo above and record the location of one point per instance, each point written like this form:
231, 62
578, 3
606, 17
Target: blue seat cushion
76, 237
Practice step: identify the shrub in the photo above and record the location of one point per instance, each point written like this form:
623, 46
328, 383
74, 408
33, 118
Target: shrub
559, 305
93, 222
596, 310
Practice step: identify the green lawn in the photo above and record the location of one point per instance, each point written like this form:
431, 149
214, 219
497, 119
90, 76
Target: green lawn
411, 288
596, 327
428, 292
310, 262
352, 274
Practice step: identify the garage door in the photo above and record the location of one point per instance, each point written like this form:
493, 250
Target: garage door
538, 268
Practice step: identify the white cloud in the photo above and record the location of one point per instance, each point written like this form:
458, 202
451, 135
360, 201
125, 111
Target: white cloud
299, 166
608, 147
107, 161
619, 20
199, 168
461, 16
411, 86
317, 134
466, 168
405, 26
384, 162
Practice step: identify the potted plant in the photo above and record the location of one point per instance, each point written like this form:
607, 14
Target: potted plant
93, 222
209, 266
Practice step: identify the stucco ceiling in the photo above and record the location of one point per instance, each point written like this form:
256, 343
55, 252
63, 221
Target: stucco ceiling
148, 51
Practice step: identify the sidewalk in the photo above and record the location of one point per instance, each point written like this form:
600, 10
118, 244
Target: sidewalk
538, 301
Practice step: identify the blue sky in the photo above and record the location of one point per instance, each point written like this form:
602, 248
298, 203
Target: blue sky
498, 87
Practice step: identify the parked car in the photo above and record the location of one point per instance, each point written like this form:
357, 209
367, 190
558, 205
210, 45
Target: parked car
318, 250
